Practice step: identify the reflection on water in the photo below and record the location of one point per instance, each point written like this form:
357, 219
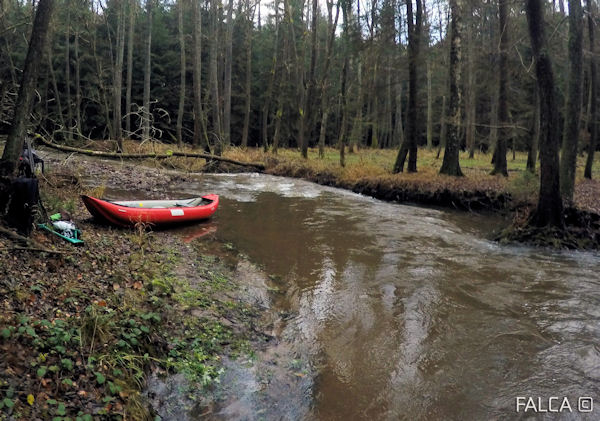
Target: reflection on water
405, 312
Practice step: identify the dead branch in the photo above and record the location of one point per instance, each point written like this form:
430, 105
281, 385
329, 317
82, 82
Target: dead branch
116, 155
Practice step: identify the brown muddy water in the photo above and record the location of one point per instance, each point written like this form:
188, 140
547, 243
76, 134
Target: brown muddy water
385, 311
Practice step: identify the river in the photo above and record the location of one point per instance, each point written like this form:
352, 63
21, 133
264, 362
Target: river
403, 312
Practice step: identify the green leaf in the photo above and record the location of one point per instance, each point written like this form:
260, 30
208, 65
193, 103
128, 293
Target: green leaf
51, 402
61, 410
5, 333
67, 363
41, 372
68, 382
9, 403
100, 377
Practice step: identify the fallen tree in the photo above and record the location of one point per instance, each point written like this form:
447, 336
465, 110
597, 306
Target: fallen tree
116, 155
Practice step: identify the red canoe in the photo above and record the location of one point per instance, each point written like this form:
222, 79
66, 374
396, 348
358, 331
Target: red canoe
155, 212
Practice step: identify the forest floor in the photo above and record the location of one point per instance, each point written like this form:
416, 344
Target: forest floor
82, 329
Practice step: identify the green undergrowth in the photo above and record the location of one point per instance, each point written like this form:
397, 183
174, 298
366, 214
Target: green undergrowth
81, 331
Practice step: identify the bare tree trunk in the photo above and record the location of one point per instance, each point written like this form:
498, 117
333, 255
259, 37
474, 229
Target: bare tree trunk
35, 53
568, 162
451, 164
132, 10
399, 129
594, 89
533, 146
180, 109
267, 101
227, 81
347, 12
443, 128
331, 25
248, 84
471, 93
414, 39
214, 79
68, 73
305, 112
147, 73
429, 109
77, 84
276, 132
61, 117
500, 166
356, 134
118, 76
200, 131
549, 210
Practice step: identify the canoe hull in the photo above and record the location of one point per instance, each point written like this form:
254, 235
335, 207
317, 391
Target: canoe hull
117, 214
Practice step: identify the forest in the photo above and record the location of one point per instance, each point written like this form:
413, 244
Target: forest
293, 74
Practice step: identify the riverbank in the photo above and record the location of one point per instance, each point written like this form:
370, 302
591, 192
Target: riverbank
83, 328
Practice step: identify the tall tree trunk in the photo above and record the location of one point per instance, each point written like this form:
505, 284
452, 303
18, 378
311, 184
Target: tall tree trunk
248, 84
305, 115
35, 53
533, 145
131, 25
429, 108
227, 81
200, 131
77, 83
568, 162
500, 166
594, 88
68, 73
298, 68
273, 70
331, 25
214, 78
471, 97
443, 127
549, 208
182, 69
356, 135
118, 76
147, 73
61, 117
451, 164
414, 39
347, 13
399, 127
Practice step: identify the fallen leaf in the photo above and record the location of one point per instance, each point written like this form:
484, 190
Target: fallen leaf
30, 399
137, 285
116, 286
